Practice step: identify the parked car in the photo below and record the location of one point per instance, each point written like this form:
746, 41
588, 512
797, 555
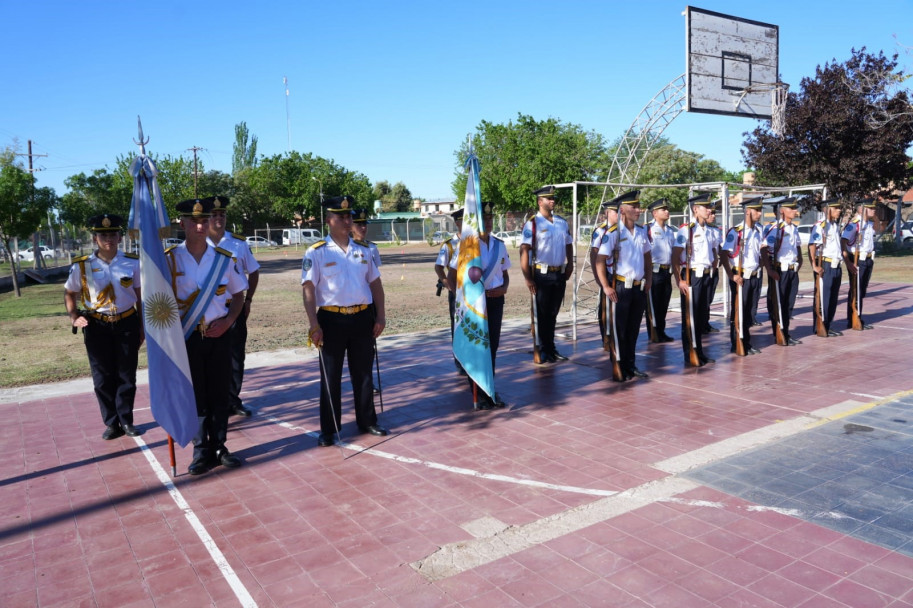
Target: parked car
171, 242
26, 255
259, 241
509, 236
805, 233
440, 236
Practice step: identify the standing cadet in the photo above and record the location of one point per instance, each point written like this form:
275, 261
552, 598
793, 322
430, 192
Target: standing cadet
611, 218
633, 270
209, 289
782, 247
824, 254
694, 243
495, 262
240, 252
546, 253
851, 244
741, 256
107, 282
340, 281
441, 266
662, 239
716, 235
360, 233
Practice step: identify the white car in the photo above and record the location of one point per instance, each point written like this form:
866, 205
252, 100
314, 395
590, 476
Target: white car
171, 242
259, 241
805, 233
509, 235
26, 255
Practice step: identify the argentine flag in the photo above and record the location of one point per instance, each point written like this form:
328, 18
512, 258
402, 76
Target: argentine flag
470, 334
170, 386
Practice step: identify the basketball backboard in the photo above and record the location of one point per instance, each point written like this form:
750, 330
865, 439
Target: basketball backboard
732, 64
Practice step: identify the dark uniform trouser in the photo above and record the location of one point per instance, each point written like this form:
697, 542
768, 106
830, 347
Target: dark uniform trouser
700, 303
756, 298
751, 287
629, 312
495, 308
113, 350
238, 353
451, 305
660, 296
788, 289
865, 269
210, 371
549, 295
830, 294
714, 282
349, 336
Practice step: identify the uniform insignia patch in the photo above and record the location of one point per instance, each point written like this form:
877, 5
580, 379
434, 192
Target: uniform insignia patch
527, 233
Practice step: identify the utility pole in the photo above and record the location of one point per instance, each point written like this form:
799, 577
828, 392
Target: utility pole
195, 149
37, 259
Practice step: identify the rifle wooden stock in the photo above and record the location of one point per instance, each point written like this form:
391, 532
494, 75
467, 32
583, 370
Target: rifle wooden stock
534, 327
605, 319
855, 291
651, 325
773, 293
688, 310
737, 313
820, 330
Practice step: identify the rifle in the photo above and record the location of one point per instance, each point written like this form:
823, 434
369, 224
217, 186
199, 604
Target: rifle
773, 288
534, 328
651, 326
855, 284
688, 319
820, 330
617, 374
738, 310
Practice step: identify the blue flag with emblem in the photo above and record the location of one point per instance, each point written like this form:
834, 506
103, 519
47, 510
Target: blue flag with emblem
471, 344
170, 386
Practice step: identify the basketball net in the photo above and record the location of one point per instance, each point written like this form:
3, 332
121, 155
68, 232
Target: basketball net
778, 96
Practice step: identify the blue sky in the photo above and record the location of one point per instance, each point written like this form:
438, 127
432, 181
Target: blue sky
387, 89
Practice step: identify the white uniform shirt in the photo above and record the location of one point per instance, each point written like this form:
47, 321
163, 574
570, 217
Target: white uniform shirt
662, 240
598, 234
744, 242
448, 247
717, 234
632, 247
340, 278
495, 247
788, 253
701, 244
240, 251
552, 239
832, 245
122, 273
375, 253
868, 236
191, 276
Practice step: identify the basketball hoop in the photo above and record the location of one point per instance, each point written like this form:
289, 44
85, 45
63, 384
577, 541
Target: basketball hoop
779, 91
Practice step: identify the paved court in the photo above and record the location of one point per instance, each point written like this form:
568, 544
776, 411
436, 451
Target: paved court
782, 479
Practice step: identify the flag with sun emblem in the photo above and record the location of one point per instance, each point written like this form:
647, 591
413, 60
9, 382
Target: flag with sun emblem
170, 387
471, 344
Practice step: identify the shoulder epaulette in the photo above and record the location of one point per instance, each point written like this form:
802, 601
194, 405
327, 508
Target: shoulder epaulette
168, 250
360, 242
612, 228
638, 225
240, 237
132, 256
603, 225
224, 252
447, 240
496, 238
559, 217
81, 258
317, 244
739, 226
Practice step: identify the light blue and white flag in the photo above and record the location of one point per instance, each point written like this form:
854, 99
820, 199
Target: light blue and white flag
471, 344
170, 385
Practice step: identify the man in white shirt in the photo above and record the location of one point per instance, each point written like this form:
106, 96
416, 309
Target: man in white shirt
852, 244
781, 245
825, 255
662, 239
741, 257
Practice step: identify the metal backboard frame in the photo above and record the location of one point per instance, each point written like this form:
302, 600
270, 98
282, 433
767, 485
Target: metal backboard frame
732, 64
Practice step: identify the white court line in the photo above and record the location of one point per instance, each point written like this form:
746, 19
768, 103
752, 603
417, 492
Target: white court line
224, 567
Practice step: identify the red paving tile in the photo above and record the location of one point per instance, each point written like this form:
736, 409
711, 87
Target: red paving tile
86, 522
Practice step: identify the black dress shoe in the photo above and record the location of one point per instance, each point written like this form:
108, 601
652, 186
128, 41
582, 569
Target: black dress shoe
229, 460
374, 429
754, 351
485, 405
200, 465
666, 338
793, 342
867, 326
638, 374
240, 410
113, 432
706, 360
558, 356
132, 431
326, 440
757, 324
547, 358
712, 330
833, 333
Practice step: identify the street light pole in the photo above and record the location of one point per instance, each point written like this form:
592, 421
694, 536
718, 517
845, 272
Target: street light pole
320, 185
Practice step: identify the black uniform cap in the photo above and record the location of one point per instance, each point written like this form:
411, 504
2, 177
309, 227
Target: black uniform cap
360, 215
628, 198
106, 222
487, 208
656, 205
458, 214
546, 192
753, 201
700, 199
339, 204
218, 202
789, 202
868, 203
195, 207
831, 202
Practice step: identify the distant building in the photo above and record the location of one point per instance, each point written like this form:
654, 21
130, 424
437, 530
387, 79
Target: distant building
438, 206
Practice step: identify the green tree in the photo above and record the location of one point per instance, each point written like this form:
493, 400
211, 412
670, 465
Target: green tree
244, 152
830, 135
22, 206
392, 198
518, 158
